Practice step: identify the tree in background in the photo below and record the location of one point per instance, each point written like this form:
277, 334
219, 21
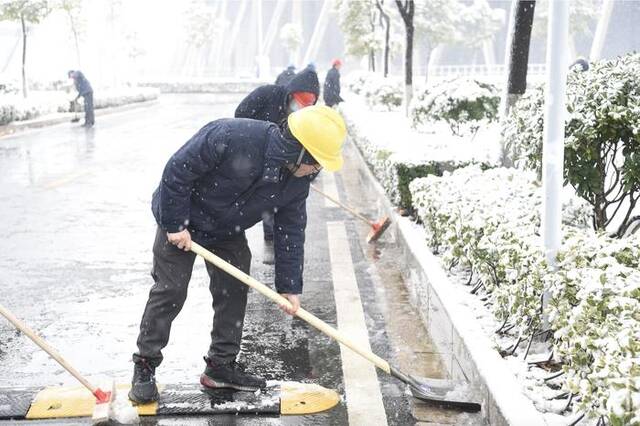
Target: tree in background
203, 26
72, 9
385, 22
291, 38
357, 20
478, 23
449, 22
407, 10
26, 12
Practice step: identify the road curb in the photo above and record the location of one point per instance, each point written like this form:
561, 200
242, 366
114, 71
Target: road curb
65, 117
467, 352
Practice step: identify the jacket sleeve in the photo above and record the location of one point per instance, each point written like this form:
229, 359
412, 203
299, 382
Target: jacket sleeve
289, 235
252, 104
201, 154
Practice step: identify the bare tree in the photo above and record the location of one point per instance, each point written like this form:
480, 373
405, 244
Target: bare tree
26, 12
385, 21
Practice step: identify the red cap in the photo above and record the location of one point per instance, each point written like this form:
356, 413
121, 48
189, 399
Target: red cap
304, 99
337, 62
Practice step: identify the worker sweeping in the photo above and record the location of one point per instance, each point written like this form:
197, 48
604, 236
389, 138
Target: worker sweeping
220, 183
274, 103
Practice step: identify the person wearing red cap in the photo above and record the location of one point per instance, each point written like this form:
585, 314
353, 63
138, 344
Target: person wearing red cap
274, 103
331, 92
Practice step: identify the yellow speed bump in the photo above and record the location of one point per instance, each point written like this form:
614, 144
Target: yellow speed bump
306, 398
291, 398
74, 401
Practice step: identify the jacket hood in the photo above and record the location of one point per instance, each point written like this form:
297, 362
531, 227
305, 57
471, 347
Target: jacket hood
280, 151
304, 81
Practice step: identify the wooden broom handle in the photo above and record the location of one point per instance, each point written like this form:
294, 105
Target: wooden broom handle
347, 208
45, 347
300, 313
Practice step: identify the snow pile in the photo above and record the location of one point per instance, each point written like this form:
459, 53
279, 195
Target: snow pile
122, 411
485, 223
464, 104
14, 107
397, 154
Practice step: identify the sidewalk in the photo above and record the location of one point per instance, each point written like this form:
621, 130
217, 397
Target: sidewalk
65, 117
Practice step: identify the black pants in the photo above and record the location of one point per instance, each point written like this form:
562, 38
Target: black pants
267, 226
171, 272
89, 118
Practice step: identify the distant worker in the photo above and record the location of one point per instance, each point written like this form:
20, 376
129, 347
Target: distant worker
84, 89
274, 103
331, 92
580, 64
285, 76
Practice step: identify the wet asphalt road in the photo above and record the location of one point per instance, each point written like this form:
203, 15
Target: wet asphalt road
76, 253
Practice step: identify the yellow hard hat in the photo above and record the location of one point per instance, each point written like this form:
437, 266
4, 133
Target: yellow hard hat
321, 130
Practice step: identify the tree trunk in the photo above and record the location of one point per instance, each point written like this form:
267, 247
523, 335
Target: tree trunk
427, 57
372, 60
519, 52
408, 67
24, 56
406, 11
74, 30
386, 20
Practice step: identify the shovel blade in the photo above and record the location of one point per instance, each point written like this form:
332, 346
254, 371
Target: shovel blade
447, 393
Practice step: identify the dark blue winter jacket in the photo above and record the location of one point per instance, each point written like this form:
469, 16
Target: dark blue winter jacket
269, 102
331, 89
285, 76
82, 84
225, 178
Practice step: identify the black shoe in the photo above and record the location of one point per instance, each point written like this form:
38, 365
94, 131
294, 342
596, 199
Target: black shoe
143, 384
230, 375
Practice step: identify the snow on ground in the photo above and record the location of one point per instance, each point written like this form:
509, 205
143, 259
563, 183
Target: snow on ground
391, 131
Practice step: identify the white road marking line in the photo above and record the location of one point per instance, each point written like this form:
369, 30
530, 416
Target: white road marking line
329, 187
362, 389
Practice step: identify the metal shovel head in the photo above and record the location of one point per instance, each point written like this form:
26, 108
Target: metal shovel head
447, 393
378, 228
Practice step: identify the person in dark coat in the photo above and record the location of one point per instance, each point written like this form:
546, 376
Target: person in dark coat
285, 76
331, 92
84, 89
216, 186
274, 103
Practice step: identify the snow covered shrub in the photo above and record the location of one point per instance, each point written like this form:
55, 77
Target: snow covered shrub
16, 108
602, 135
595, 312
356, 81
465, 104
7, 113
395, 171
487, 222
386, 93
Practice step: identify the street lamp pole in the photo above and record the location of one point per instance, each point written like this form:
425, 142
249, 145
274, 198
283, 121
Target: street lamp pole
553, 142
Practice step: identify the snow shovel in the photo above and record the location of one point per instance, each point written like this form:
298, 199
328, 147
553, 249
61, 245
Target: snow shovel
377, 228
104, 399
442, 392
73, 107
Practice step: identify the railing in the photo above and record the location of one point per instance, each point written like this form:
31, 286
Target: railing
481, 70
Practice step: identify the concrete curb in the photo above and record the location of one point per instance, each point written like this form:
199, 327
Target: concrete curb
467, 352
65, 117
205, 86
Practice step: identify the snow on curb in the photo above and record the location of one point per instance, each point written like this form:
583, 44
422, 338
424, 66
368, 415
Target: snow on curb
204, 85
469, 353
